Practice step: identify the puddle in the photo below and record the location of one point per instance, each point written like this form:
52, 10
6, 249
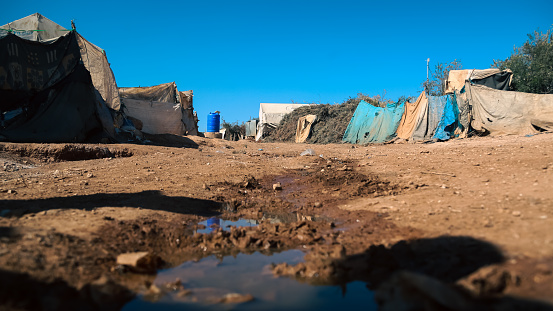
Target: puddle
214, 223
208, 280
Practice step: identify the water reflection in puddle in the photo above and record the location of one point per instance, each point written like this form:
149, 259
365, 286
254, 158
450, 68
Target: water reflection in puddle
214, 223
209, 279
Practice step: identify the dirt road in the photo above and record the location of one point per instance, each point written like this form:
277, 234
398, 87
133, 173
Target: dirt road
456, 225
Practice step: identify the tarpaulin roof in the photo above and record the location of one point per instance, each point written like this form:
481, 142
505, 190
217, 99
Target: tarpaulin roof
166, 92
493, 77
508, 112
371, 124
36, 27
51, 90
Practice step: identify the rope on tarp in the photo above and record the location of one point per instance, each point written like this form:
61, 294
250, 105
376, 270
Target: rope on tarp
11, 30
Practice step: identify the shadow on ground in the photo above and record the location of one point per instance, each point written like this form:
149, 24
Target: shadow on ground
21, 292
422, 274
150, 199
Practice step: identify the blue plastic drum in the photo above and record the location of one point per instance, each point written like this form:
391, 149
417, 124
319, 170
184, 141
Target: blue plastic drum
213, 122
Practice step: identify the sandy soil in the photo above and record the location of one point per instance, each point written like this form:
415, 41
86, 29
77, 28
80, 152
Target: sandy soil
456, 225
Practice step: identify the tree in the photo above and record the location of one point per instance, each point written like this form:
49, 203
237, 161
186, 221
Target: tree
532, 64
436, 85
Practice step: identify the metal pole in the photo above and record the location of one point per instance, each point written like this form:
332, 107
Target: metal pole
427, 62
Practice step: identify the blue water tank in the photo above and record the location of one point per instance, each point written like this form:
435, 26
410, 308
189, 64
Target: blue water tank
213, 122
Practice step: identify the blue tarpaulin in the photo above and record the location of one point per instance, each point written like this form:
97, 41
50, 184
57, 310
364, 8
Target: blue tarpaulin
449, 120
440, 119
371, 124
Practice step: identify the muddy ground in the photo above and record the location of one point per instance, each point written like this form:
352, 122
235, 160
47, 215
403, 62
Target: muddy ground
458, 225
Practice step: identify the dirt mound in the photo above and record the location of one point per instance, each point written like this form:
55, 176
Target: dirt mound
65, 152
332, 121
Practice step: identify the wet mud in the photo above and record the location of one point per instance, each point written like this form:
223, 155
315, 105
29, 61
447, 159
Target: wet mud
60, 248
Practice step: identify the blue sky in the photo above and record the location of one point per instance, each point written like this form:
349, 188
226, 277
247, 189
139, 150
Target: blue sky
237, 54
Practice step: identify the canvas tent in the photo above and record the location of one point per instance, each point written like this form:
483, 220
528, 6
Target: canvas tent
162, 109
270, 116
36, 27
47, 93
371, 124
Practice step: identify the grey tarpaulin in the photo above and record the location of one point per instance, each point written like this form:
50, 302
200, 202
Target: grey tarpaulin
507, 112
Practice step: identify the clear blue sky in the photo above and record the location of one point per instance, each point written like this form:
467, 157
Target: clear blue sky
237, 54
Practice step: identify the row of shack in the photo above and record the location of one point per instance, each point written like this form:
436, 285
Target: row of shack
475, 101
56, 86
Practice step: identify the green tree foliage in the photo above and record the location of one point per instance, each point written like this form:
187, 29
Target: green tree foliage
435, 86
532, 64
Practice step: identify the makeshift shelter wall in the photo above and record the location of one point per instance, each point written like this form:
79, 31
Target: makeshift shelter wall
156, 117
413, 115
449, 121
371, 124
52, 87
50, 63
188, 117
508, 112
93, 57
431, 118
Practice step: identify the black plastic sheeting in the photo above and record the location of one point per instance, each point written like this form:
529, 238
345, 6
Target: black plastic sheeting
498, 81
50, 87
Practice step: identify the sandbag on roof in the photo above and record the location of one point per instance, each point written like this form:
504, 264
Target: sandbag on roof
371, 124
412, 116
508, 112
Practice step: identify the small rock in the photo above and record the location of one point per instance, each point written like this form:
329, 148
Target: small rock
89, 175
140, 261
308, 152
236, 298
318, 204
516, 213
205, 186
11, 191
277, 186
